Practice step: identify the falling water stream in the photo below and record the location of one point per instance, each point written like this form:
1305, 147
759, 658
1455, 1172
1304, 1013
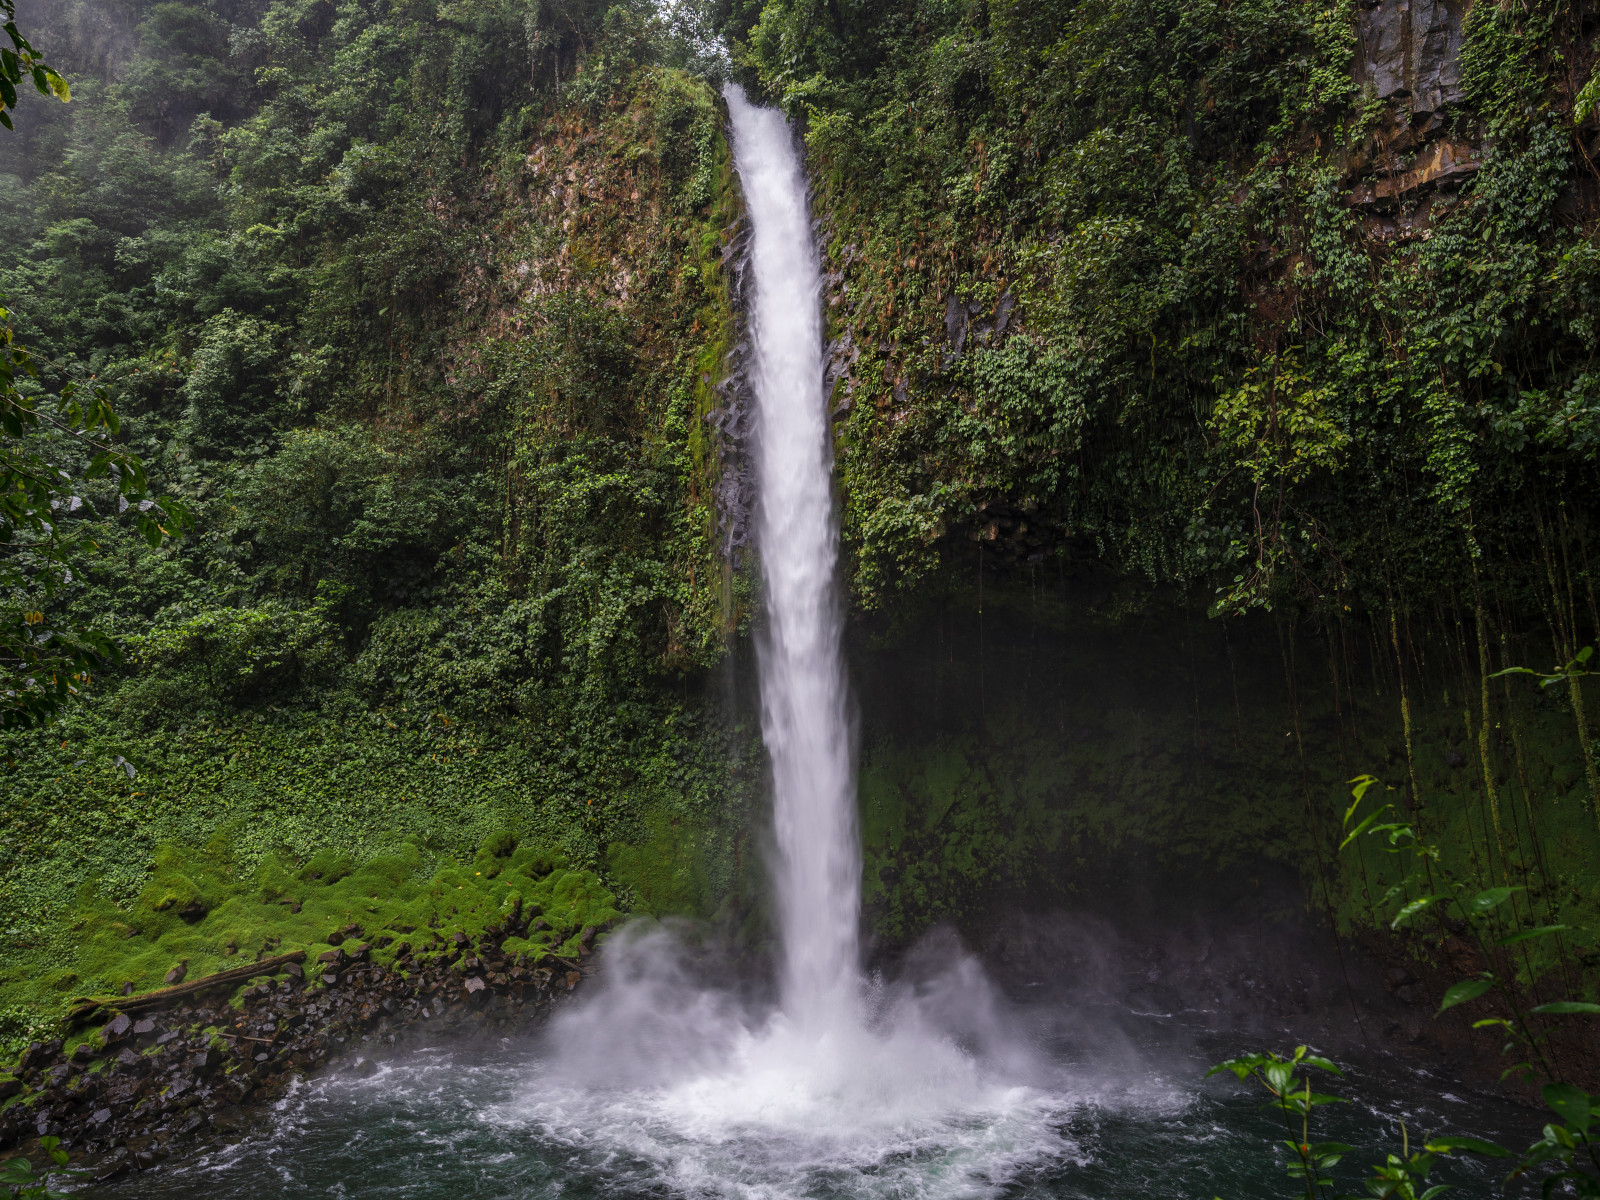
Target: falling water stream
818, 872
663, 1085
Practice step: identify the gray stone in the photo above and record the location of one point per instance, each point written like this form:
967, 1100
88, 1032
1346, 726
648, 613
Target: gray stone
229, 1117
1411, 51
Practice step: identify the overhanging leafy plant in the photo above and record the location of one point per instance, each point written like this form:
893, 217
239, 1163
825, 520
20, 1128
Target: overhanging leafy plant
22, 62
22, 1181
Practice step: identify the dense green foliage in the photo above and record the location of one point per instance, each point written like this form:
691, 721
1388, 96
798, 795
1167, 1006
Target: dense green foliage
440, 464
420, 310
1224, 365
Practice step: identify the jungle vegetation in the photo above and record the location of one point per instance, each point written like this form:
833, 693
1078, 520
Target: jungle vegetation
418, 312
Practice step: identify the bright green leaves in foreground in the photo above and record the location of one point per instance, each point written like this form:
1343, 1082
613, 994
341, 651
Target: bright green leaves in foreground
1293, 1098
1402, 1176
22, 1181
19, 62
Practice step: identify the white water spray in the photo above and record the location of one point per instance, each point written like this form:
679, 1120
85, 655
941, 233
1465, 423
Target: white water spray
802, 674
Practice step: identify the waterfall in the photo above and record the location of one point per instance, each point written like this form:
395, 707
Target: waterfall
923, 1092
818, 868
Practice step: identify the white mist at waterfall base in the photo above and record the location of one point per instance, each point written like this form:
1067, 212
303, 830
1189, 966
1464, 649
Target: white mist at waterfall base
839, 1089
930, 1092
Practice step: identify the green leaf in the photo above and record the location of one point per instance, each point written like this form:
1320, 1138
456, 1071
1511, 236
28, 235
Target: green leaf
1490, 899
1362, 783
1467, 989
1362, 827
1242, 1066
1476, 1145
1557, 1008
1571, 1103
1320, 1148
1412, 909
1279, 1076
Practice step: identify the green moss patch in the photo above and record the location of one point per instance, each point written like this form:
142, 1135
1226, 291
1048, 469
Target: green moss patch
203, 913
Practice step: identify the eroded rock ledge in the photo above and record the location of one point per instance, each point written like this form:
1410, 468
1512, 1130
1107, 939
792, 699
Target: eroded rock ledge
146, 1087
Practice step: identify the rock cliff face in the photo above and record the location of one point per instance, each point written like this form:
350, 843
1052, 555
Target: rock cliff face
1411, 53
1410, 59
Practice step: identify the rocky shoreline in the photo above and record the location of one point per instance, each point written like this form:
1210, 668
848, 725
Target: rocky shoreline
152, 1085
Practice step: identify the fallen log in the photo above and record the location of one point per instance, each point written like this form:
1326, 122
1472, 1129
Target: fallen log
85, 1007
